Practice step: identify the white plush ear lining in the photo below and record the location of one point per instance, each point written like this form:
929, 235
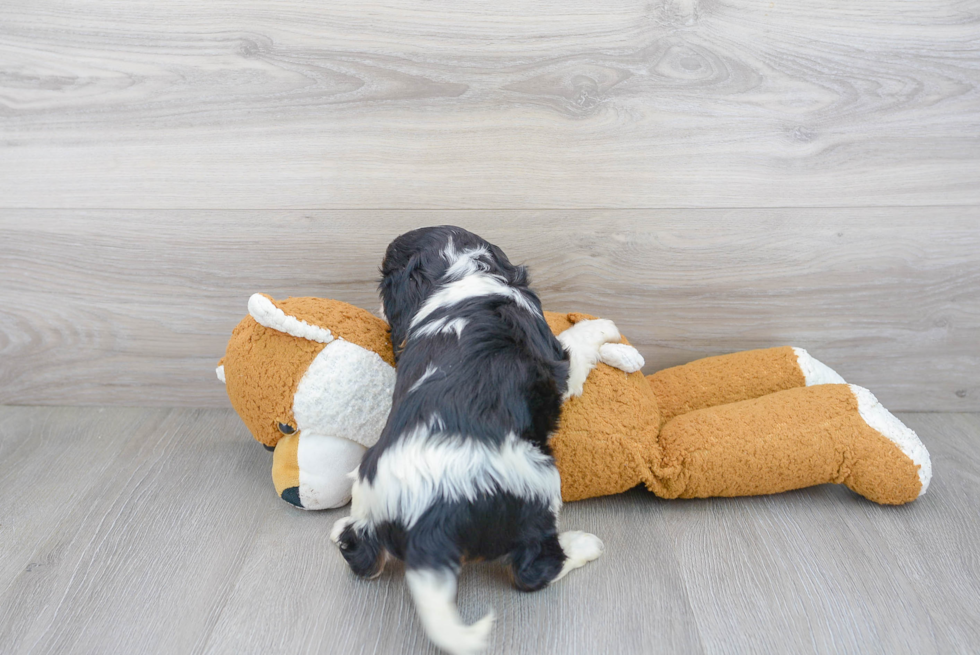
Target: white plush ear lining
221, 373
270, 316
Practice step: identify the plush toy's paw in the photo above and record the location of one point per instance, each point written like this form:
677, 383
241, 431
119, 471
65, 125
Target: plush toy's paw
904, 438
621, 356
582, 341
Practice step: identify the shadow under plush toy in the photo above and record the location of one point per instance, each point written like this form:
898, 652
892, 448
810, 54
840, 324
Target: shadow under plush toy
312, 379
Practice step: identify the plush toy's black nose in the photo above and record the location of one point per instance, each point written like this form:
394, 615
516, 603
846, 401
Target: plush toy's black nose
291, 495
269, 448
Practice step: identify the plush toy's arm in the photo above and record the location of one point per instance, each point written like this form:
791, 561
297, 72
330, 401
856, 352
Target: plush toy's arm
739, 376
583, 342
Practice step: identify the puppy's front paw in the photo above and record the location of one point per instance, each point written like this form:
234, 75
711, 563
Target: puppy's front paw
338, 529
621, 356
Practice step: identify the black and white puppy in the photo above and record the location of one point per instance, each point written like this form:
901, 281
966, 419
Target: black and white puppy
463, 470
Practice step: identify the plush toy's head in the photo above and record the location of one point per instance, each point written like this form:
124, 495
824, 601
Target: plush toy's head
311, 378
273, 348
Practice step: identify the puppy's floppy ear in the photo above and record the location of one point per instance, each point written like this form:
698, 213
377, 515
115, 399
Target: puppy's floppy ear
515, 275
403, 290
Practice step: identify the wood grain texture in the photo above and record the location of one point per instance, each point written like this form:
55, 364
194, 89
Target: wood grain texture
631, 103
115, 530
136, 307
158, 531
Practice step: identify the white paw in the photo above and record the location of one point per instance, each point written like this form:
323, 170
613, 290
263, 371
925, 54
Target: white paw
580, 547
338, 529
621, 356
575, 387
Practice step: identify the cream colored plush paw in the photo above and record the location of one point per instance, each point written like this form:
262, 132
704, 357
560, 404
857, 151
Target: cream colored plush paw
582, 341
621, 356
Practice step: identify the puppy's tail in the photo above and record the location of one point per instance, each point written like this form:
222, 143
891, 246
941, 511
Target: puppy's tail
434, 592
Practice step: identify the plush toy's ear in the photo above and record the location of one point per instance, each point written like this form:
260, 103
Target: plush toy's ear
220, 371
322, 321
266, 313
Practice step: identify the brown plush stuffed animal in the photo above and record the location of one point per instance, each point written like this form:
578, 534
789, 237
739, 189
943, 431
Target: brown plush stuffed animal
312, 378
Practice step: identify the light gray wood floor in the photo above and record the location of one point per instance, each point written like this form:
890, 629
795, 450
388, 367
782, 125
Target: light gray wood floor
157, 531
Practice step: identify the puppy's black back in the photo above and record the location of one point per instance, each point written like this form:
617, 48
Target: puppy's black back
502, 374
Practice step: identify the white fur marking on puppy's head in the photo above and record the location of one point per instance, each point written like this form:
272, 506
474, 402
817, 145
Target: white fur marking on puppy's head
473, 285
449, 251
268, 315
465, 263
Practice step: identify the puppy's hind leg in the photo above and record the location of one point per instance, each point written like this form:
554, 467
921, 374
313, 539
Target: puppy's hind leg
434, 593
360, 547
537, 564
580, 548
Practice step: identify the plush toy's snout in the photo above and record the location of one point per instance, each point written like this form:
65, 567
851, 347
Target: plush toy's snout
311, 471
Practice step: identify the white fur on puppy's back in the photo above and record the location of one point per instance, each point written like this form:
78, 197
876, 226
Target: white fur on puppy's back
434, 593
425, 467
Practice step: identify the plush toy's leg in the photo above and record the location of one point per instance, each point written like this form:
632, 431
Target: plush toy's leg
311, 471
739, 376
792, 439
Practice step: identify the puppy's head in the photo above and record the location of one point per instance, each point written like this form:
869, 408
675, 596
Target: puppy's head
417, 262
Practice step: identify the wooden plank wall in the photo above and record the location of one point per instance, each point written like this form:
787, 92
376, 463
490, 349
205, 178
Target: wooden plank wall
713, 175
135, 307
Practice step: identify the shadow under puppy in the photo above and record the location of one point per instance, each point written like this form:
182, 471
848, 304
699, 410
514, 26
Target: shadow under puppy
463, 470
